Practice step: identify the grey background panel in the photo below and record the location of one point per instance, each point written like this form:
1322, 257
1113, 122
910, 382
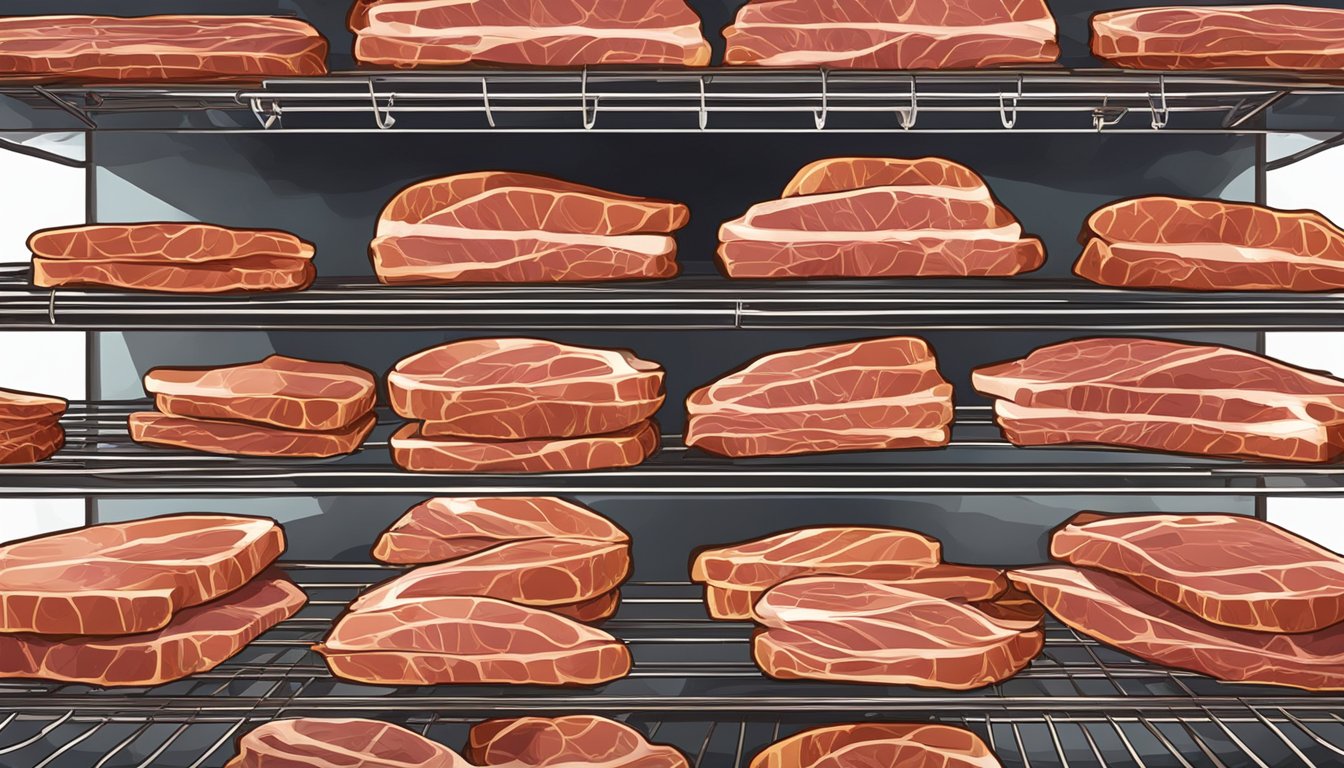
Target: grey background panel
993, 530
330, 188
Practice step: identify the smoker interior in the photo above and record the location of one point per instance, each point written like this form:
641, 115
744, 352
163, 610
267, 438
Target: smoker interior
693, 685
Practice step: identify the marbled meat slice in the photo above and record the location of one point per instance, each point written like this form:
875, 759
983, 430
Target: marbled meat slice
194, 48
196, 639
29, 408
285, 392
593, 611
1114, 611
414, 452
891, 636
566, 742
916, 745
234, 438
127, 578
1285, 37
967, 583
879, 217
1210, 245
30, 441
248, 275
875, 394
500, 226
539, 572
1233, 570
329, 742
559, 33
886, 34
164, 242
736, 575
520, 389
469, 640
449, 527
1167, 396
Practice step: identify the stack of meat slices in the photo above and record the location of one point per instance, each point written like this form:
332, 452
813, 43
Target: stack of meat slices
30, 427
525, 742
502, 227
1228, 596
1166, 396
1210, 245
557, 33
542, 552
879, 217
171, 257
879, 744
159, 48
884, 34
280, 406
875, 394
870, 605
1283, 37
524, 405
140, 603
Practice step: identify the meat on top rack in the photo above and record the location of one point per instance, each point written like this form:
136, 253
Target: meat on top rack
693, 685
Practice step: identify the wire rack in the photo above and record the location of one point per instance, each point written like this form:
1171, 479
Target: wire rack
707, 99
693, 684
688, 302
100, 459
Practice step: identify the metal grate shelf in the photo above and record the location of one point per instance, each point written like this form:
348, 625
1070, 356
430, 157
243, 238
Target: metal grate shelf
100, 459
693, 685
687, 303
705, 99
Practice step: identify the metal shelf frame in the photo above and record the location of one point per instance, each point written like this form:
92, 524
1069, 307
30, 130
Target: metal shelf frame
702, 99
1020, 303
1078, 702
100, 460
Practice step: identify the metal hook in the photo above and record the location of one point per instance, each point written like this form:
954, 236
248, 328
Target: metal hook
267, 117
485, 103
589, 120
1158, 105
820, 117
704, 111
1006, 116
382, 117
907, 117
1099, 119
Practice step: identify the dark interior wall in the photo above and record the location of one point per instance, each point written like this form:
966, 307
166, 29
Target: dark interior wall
330, 188
329, 17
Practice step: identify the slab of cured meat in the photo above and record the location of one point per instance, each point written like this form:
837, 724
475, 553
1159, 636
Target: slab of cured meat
879, 744
879, 217
889, 635
972, 584
1233, 570
330, 742
414, 452
30, 428
507, 227
557, 33
448, 527
562, 742
154, 49
875, 394
470, 640
1290, 37
548, 573
281, 391
127, 578
521, 389
736, 575
886, 34
236, 438
1166, 396
171, 257
1210, 245
1115, 611
196, 639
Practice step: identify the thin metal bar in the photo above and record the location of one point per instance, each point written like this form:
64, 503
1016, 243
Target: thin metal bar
124, 743
704, 747
741, 745
1165, 742
66, 107
1021, 748
41, 734
228, 735
1307, 730
168, 742
41, 154
1299, 156
1124, 740
1282, 736
69, 745
1236, 740
1091, 742
1054, 737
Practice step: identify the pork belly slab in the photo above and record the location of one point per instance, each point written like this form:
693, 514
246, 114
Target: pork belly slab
927, 745
328, 742
1280, 36
562, 742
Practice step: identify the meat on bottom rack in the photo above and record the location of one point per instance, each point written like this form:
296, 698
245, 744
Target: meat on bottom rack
693, 685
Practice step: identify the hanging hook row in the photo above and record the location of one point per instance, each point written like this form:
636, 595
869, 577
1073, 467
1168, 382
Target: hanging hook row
819, 117
907, 116
1158, 104
1008, 105
382, 116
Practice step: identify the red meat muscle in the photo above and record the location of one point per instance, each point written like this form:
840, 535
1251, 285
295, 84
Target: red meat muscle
557, 742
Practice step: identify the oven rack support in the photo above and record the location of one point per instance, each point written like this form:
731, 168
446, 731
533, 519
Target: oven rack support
701, 99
